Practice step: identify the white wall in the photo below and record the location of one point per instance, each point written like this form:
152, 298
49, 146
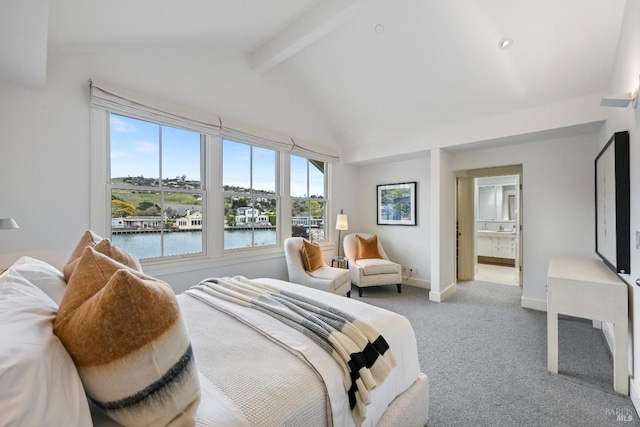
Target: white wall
625, 77
407, 245
44, 136
558, 202
443, 219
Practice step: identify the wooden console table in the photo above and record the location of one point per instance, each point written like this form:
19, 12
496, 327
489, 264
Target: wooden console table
586, 288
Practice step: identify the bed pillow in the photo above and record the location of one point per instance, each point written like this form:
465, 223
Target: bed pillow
89, 238
367, 248
40, 384
43, 275
311, 256
127, 338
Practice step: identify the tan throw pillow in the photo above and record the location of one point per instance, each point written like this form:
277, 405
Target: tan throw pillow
311, 256
125, 334
104, 246
368, 248
89, 238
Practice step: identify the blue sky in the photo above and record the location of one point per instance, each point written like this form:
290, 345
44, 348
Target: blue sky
135, 151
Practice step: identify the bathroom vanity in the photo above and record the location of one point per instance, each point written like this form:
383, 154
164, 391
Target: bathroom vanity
498, 247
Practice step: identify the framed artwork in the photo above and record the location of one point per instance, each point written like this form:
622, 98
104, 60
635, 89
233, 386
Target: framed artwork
613, 214
396, 204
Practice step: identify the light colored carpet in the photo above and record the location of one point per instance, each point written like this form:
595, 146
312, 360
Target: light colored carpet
486, 358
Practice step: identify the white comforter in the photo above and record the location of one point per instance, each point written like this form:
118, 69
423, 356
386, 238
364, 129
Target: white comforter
395, 328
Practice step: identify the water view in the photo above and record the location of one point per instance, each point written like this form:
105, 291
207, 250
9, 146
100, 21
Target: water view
147, 245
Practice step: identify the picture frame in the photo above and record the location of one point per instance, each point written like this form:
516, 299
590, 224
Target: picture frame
396, 203
613, 204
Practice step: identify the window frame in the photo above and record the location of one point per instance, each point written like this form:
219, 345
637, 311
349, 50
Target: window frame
160, 189
309, 199
215, 256
277, 196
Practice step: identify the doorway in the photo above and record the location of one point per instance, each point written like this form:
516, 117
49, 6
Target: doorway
496, 232
489, 225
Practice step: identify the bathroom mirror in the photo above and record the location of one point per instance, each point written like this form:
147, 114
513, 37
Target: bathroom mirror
496, 202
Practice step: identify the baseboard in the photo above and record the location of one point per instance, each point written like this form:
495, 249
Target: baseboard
443, 295
607, 331
634, 390
533, 303
417, 283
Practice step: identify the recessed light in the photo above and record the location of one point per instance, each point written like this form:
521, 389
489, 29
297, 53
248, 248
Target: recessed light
505, 43
379, 28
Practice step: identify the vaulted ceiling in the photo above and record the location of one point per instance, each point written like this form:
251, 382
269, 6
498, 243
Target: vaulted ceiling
377, 71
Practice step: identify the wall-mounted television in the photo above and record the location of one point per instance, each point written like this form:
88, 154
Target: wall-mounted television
613, 209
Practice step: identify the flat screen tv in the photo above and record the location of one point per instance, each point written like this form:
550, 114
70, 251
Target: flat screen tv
613, 209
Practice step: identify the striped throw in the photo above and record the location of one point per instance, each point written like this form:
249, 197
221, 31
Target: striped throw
362, 353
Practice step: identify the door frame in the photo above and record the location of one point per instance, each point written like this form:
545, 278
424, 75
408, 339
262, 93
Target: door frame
465, 215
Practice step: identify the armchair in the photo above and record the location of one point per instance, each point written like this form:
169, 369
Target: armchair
370, 271
330, 279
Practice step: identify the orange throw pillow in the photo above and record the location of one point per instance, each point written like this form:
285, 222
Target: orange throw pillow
125, 333
89, 238
368, 248
311, 256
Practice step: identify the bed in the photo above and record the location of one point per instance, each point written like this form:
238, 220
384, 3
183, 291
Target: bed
251, 368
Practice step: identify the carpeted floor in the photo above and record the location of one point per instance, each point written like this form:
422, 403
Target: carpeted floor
486, 358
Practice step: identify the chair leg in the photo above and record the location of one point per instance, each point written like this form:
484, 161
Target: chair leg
349, 294
359, 292
399, 288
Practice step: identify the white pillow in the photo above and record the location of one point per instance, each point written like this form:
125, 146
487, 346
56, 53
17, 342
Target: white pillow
40, 384
45, 276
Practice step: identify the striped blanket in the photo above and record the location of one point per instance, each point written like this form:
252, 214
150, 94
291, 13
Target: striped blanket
362, 353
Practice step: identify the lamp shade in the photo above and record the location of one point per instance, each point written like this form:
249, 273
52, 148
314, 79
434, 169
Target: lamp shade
342, 222
8, 223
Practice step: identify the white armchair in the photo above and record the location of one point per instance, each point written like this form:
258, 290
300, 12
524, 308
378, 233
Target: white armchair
330, 279
371, 271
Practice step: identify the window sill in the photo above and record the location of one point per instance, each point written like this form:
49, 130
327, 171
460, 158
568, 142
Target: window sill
174, 266
183, 265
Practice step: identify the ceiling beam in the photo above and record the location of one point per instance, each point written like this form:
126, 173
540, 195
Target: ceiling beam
326, 16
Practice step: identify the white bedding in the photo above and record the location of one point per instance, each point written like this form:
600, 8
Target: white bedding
395, 328
255, 375
31, 289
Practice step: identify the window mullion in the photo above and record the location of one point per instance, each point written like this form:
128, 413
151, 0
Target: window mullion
161, 186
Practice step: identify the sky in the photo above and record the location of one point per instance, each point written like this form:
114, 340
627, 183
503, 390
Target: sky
135, 151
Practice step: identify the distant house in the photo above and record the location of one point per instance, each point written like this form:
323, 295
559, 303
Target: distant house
143, 222
247, 215
178, 210
191, 221
117, 223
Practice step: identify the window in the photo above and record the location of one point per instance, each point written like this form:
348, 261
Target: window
176, 184
308, 202
250, 194
155, 182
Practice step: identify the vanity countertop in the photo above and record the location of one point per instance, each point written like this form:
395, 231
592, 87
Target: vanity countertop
507, 234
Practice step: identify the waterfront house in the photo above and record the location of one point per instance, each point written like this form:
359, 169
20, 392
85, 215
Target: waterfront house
191, 221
